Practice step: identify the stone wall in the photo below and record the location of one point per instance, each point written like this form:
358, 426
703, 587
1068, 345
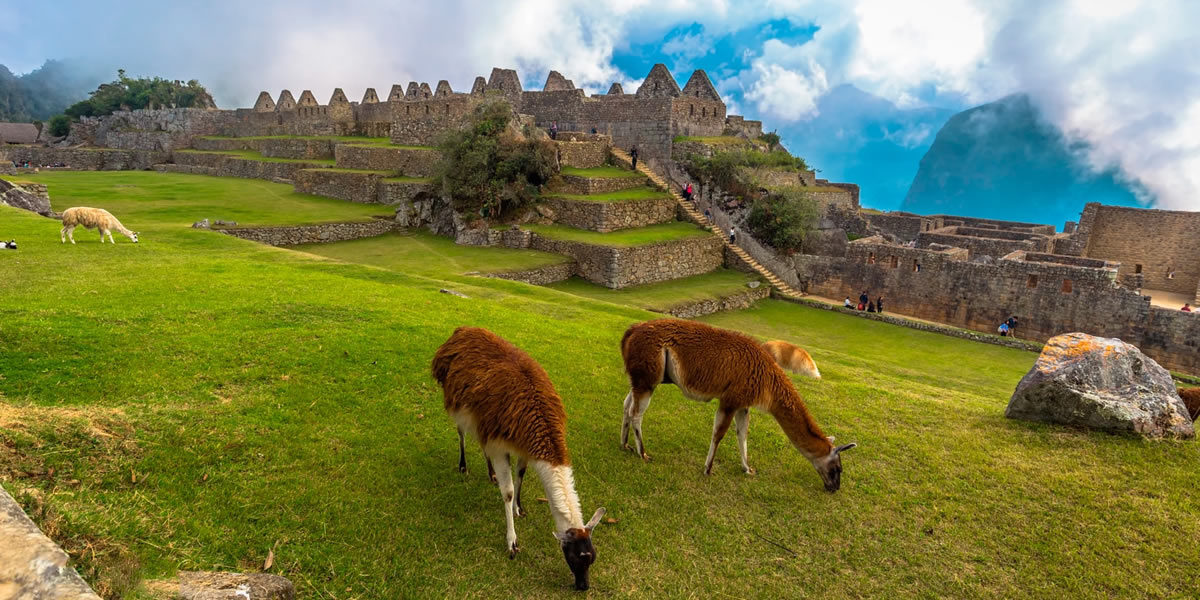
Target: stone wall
158, 130
402, 192
1048, 298
1152, 242
708, 306
310, 234
410, 162
623, 267
355, 186
233, 166
995, 247
88, 159
583, 154
298, 148
902, 226
578, 184
541, 275
611, 216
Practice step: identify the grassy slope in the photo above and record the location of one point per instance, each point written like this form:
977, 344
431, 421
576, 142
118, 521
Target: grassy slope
600, 172
146, 201
336, 138
639, 193
665, 232
431, 255
254, 155
664, 295
202, 399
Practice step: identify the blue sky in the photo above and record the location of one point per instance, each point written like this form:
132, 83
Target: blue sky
1118, 77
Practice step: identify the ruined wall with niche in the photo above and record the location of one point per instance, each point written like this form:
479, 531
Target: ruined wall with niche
1154, 243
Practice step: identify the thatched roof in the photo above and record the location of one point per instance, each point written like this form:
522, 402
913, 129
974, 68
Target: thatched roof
18, 133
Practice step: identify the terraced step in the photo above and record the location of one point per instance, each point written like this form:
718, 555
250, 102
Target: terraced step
654, 178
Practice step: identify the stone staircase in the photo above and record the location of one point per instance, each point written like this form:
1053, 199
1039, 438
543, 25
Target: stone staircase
780, 285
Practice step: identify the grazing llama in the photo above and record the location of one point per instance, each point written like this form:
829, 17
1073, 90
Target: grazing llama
792, 358
502, 397
93, 218
705, 362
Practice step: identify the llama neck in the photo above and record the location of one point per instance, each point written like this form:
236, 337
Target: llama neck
788, 409
559, 484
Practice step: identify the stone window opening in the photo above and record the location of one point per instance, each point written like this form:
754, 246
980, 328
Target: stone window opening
691, 110
916, 266
1066, 287
447, 108
871, 258
407, 110
1170, 273
426, 109
1137, 268
1031, 282
893, 261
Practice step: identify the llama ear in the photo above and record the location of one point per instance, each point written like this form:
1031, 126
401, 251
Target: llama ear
831, 438
561, 537
595, 519
839, 449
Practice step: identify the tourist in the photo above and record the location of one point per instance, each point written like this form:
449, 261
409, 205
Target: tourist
847, 303
1003, 329
863, 298
871, 307
688, 193
879, 304
732, 235
633, 154
707, 215
554, 130
593, 130
1186, 307
684, 192
1012, 326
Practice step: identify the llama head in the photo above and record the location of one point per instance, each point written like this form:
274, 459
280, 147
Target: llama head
829, 467
578, 549
134, 236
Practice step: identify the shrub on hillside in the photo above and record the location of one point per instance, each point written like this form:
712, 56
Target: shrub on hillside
491, 168
126, 93
60, 125
770, 139
784, 218
729, 169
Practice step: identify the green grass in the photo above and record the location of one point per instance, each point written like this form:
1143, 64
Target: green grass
389, 145
195, 401
665, 232
370, 171
335, 138
407, 179
150, 202
432, 255
627, 195
600, 172
664, 295
715, 140
255, 155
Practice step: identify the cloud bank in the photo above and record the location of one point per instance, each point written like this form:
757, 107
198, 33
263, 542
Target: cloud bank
1121, 77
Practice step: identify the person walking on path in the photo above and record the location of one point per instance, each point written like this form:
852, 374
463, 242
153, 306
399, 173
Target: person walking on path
554, 130
707, 215
633, 155
732, 235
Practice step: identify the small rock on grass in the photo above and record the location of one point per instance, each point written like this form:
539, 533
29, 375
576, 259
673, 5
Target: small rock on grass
453, 293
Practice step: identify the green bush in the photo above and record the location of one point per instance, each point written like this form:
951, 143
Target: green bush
60, 125
490, 169
770, 139
131, 94
730, 169
784, 218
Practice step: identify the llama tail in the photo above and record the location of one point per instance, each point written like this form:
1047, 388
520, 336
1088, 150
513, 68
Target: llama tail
792, 358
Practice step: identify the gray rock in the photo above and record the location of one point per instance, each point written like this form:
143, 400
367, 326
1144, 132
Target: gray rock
198, 585
545, 211
225, 223
453, 293
32, 566
203, 224
19, 197
1100, 383
752, 284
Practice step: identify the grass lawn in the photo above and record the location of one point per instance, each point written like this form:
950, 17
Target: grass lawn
255, 155
147, 201
663, 295
627, 195
715, 140
664, 232
387, 143
370, 171
196, 401
423, 253
335, 138
607, 171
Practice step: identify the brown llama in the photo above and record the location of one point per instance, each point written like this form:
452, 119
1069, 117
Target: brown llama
503, 398
92, 218
705, 362
792, 358
1191, 398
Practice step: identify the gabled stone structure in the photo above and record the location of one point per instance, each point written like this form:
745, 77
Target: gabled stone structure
615, 89
397, 93
659, 84
443, 89
479, 86
426, 93
370, 97
413, 91
699, 86
285, 102
555, 82
307, 99
264, 103
338, 97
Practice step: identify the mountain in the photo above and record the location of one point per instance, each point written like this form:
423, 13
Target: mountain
46, 91
865, 139
1002, 161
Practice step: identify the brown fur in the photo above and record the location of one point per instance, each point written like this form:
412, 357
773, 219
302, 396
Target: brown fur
792, 358
1191, 397
93, 218
722, 364
508, 395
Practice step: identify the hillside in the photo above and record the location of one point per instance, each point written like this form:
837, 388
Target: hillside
1002, 161
46, 91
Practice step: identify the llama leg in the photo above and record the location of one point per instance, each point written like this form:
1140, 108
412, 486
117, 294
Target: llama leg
742, 421
62, 233
462, 452
720, 426
504, 474
626, 420
640, 404
101, 236
110, 239
71, 233
491, 471
521, 464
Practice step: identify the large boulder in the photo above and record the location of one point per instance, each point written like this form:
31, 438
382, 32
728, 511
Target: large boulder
1100, 383
34, 200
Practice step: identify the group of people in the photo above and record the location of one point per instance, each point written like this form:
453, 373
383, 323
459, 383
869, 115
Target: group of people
1009, 327
865, 303
27, 165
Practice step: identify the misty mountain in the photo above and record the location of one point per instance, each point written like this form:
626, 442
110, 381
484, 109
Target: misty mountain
1002, 161
46, 91
864, 139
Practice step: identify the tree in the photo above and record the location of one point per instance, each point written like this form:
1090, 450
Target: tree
126, 93
60, 125
784, 218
